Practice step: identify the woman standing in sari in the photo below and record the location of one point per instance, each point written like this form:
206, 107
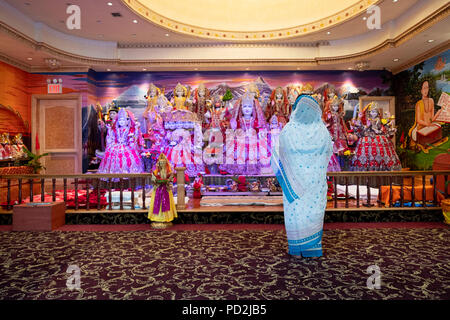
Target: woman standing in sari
300, 163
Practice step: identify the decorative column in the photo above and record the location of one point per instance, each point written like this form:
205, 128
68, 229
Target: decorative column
181, 191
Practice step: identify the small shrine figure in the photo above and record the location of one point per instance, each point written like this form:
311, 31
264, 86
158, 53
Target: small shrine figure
201, 102
181, 98
104, 126
197, 186
333, 116
162, 210
6, 146
375, 150
17, 147
292, 92
278, 106
152, 117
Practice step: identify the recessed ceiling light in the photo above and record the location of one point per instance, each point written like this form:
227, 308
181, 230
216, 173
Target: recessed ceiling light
394, 1
135, 21
166, 34
143, 69
350, 68
328, 32
29, 58
109, 3
364, 18
396, 59
108, 69
195, 68
247, 68
430, 41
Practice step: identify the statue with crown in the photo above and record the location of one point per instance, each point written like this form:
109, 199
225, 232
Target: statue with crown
183, 133
375, 150
246, 148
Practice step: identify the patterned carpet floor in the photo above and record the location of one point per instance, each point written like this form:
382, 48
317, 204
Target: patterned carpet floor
225, 265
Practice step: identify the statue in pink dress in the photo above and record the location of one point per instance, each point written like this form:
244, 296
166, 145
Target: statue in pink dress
246, 142
123, 152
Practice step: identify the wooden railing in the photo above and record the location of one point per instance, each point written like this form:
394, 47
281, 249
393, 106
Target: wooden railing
424, 188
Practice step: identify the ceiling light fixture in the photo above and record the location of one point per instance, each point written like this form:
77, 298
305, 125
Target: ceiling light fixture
52, 63
108, 69
364, 18
396, 59
362, 65
143, 69
328, 32
166, 34
29, 58
109, 3
430, 40
135, 21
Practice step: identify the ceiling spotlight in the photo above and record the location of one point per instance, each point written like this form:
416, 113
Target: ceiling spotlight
430, 41
396, 59
364, 18
135, 21
394, 1
166, 34
109, 3
195, 68
29, 58
143, 69
328, 32
108, 69
350, 68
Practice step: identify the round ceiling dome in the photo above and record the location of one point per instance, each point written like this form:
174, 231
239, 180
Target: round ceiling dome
248, 19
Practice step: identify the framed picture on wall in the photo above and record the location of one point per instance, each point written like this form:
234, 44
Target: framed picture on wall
386, 103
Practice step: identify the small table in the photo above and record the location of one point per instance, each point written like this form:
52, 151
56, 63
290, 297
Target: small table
39, 216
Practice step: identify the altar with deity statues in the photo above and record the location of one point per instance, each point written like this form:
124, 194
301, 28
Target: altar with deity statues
227, 136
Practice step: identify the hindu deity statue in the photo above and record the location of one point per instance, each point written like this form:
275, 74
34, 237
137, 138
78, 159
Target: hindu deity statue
248, 125
17, 147
152, 117
247, 113
6, 146
123, 150
278, 106
375, 150
162, 208
292, 91
181, 98
333, 116
201, 102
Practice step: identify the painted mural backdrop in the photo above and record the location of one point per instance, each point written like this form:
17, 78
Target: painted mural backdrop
423, 113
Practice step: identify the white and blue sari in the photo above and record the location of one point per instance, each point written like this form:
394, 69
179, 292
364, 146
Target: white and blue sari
300, 162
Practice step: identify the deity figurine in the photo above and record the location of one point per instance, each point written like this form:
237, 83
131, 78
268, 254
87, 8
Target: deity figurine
6, 146
201, 102
375, 150
292, 91
124, 143
197, 186
250, 152
17, 147
333, 116
247, 113
152, 117
162, 208
181, 98
278, 106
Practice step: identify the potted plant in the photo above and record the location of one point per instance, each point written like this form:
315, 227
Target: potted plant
34, 160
